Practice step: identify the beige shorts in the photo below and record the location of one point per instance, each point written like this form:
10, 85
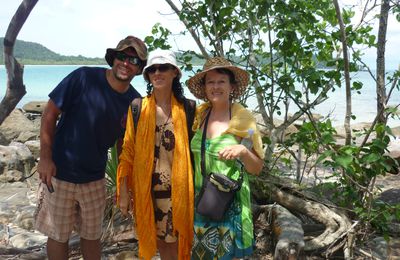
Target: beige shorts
71, 206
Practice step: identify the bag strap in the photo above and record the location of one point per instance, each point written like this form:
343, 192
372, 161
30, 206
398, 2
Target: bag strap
203, 151
136, 108
190, 109
203, 145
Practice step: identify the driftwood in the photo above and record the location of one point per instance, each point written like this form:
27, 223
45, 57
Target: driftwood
287, 232
336, 224
15, 85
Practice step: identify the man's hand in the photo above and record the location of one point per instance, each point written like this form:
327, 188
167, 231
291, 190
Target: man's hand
46, 166
46, 169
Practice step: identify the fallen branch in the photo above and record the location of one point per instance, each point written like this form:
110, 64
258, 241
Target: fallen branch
336, 223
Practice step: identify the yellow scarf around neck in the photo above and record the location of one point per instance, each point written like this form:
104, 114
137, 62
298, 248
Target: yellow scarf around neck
241, 121
139, 179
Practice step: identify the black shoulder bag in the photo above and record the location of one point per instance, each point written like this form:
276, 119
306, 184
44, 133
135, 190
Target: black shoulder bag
218, 190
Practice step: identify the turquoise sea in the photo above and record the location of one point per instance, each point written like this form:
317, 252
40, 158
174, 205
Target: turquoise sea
41, 79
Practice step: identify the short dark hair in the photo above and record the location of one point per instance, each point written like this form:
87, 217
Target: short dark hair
224, 71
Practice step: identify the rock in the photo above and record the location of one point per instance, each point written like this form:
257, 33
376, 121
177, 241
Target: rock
34, 147
3, 140
379, 248
393, 151
265, 131
304, 118
125, 255
27, 240
27, 136
341, 133
12, 176
35, 107
394, 147
36, 123
6, 215
390, 196
15, 124
4, 232
25, 217
16, 156
396, 130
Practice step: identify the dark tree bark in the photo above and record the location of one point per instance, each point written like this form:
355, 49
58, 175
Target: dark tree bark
15, 85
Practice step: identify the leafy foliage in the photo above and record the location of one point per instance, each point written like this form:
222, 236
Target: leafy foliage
111, 169
287, 46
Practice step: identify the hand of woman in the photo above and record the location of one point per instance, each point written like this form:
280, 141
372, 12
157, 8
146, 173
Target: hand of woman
252, 163
124, 199
232, 152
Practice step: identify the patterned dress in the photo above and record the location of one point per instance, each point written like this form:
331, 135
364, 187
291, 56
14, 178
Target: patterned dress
161, 181
233, 236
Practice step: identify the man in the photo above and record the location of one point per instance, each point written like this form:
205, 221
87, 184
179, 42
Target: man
93, 103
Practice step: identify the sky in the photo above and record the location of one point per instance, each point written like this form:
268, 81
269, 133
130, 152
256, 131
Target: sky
89, 27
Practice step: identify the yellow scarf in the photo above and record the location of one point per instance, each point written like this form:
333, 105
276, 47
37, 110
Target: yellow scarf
241, 121
136, 163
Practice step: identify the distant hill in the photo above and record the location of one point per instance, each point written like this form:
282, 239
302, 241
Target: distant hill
34, 53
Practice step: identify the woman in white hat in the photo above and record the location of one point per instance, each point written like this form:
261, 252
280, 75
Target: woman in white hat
227, 124
155, 171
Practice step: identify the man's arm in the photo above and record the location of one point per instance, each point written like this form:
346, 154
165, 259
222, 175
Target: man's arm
46, 166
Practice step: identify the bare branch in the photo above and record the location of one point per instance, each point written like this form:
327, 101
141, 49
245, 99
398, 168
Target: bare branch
15, 86
191, 30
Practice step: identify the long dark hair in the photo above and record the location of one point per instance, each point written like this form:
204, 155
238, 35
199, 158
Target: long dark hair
177, 89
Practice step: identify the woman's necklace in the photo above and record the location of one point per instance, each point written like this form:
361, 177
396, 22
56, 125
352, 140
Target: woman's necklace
162, 128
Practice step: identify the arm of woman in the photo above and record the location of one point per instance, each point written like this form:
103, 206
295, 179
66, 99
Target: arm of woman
125, 166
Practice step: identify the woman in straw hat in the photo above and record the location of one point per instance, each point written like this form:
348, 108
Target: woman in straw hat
155, 165
228, 123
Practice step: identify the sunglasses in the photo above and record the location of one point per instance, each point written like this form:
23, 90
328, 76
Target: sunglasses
122, 56
160, 68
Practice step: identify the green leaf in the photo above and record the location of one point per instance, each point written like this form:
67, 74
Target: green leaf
372, 157
344, 160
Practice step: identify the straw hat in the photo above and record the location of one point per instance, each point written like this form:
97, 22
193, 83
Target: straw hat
159, 56
128, 42
196, 85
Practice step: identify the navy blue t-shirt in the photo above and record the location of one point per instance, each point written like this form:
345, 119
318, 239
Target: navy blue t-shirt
93, 117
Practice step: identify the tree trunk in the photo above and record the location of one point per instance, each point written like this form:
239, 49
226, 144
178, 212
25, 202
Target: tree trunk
343, 39
15, 85
380, 61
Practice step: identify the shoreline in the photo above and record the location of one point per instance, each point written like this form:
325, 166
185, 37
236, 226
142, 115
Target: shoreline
41, 79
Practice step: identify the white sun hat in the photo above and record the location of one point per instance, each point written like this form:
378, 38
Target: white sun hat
159, 56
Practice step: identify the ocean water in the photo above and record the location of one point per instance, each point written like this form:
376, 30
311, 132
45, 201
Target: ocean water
41, 79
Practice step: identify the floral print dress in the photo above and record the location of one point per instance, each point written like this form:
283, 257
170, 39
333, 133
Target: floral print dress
161, 181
